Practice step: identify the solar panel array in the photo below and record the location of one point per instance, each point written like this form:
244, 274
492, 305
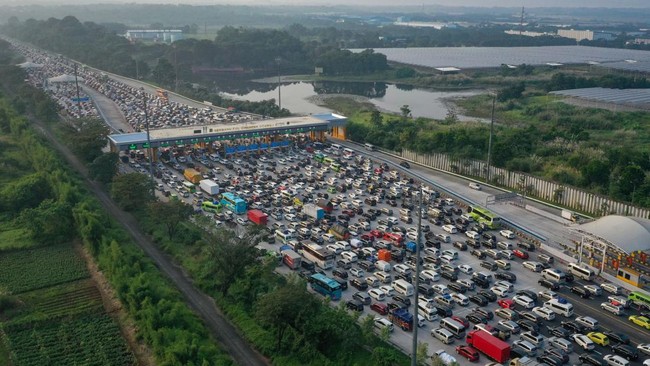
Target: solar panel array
631, 97
629, 66
487, 57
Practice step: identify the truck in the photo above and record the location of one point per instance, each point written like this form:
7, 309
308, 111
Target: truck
314, 211
491, 346
412, 246
209, 186
445, 357
569, 215
325, 204
192, 175
402, 318
291, 259
524, 361
258, 217
340, 232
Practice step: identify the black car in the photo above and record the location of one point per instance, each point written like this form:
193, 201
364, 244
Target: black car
359, 284
476, 318
489, 265
528, 293
403, 299
574, 327
405, 164
559, 331
548, 284
484, 312
343, 264
449, 276
557, 353
507, 276
550, 360
354, 305
473, 243
481, 282
443, 311
617, 337
395, 305
460, 245
626, 351
478, 253
340, 273
479, 300
457, 287
528, 325
367, 266
489, 295
528, 246
592, 359
568, 277
580, 291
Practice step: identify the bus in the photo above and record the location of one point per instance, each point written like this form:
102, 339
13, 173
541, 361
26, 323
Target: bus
348, 152
284, 236
325, 286
233, 203
336, 147
640, 299
369, 147
335, 166
320, 256
581, 271
319, 157
483, 216
328, 160
560, 306
188, 186
208, 206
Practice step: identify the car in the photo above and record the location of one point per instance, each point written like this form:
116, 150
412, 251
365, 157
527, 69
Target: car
611, 288
388, 290
478, 253
404, 299
461, 320
644, 348
506, 275
359, 283
340, 273
544, 312
405, 164
558, 353
615, 360
520, 254
617, 337
469, 352
591, 359
547, 295
641, 321
484, 312
489, 295
626, 351
476, 318
558, 331
573, 326
465, 268
580, 291
357, 272
524, 301
354, 305
598, 338
583, 341
467, 283
383, 323
499, 291
508, 234
532, 265
548, 284
458, 287
363, 297
594, 290
529, 315
549, 360
614, 309
377, 294
524, 347
443, 335
510, 325
479, 300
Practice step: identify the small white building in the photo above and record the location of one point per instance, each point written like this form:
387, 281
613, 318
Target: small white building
156, 35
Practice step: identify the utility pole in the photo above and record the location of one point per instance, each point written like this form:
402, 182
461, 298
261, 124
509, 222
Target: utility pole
489, 157
277, 60
414, 349
149, 149
76, 83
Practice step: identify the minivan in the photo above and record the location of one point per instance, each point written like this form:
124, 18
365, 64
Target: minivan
561, 343
503, 264
460, 299
587, 321
533, 337
443, 335
384, 277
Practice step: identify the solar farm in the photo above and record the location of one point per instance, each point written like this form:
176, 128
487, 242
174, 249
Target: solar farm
639, 98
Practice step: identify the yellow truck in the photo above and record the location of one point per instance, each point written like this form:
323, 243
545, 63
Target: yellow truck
192, 175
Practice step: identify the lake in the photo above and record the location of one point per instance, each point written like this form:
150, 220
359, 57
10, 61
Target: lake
304, 97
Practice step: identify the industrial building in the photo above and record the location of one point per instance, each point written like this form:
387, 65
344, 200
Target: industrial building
580, 35
155, 35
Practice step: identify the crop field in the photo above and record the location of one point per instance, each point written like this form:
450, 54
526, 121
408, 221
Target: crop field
31, 269
88, 340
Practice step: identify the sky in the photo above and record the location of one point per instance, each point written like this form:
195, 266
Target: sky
473, 3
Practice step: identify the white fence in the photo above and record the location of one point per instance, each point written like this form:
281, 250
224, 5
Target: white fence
560, 194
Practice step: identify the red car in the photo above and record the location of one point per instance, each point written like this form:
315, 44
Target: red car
461, 320
348, 212
379, 308
368, 237
376, 233
506, 303
468, 352
520, 254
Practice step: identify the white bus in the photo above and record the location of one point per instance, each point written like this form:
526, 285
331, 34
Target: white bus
560, 307
348, 152
454, 327
581, 271
322, 257
336, 147
369, 147
283, 236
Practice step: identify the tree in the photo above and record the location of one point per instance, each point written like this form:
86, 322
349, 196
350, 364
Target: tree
596, 172
629, 179
50, 222
104, 167
87, 137
512, 92
422, 353
376, 119
131, 191
164, 72
171, 214
406, 111
382, 356
287, 306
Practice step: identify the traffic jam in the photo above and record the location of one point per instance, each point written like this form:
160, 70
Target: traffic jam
348, 225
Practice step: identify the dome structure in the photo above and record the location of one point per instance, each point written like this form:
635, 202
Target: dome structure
628, 234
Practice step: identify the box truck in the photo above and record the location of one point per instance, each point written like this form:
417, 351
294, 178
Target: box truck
209, 186
313, 211
490, 345
192, 175
258, 217
291, 259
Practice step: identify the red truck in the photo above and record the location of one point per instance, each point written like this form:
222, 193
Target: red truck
258, 217
491, 346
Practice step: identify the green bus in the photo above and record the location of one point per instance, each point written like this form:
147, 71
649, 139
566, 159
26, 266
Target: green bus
328, 161
208, 206
485, 217
319, 157
640, 299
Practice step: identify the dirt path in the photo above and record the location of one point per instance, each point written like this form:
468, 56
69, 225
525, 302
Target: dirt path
224, 332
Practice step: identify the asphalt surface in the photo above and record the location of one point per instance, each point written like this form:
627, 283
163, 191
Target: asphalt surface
223, 331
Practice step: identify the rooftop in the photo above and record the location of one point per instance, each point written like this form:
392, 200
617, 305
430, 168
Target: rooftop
629, 234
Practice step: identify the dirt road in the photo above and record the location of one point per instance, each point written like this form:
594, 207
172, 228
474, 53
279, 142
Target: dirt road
224, 332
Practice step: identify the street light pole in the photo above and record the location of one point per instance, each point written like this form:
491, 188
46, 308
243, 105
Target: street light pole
414, 348
489, 157
149, 150
277, 60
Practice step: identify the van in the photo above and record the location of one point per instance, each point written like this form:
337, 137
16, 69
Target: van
444, 300
507, 314
443, 335
426, 312
561, 343
402, 269
460, 299
544, 312
535, 338
504, 245
403, 287
384, 277
383, 266
474, 185
457, 329
503, 264
553, 274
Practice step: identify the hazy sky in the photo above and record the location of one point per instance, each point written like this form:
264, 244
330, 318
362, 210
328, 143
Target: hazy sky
480, 3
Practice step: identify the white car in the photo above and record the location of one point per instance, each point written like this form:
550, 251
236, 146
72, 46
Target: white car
412, 235
451, 229
357, 272
466, 268
505, 284
431, 275
499, 291
388, 290
644, 348
512, 326
544, 312
377, 294
467, 283
507, 234
335, 248
583, 341
241, 221
611, 288
533, 266
615, 360
524, 301
439, 288
547, 295
593, 290
381, 323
